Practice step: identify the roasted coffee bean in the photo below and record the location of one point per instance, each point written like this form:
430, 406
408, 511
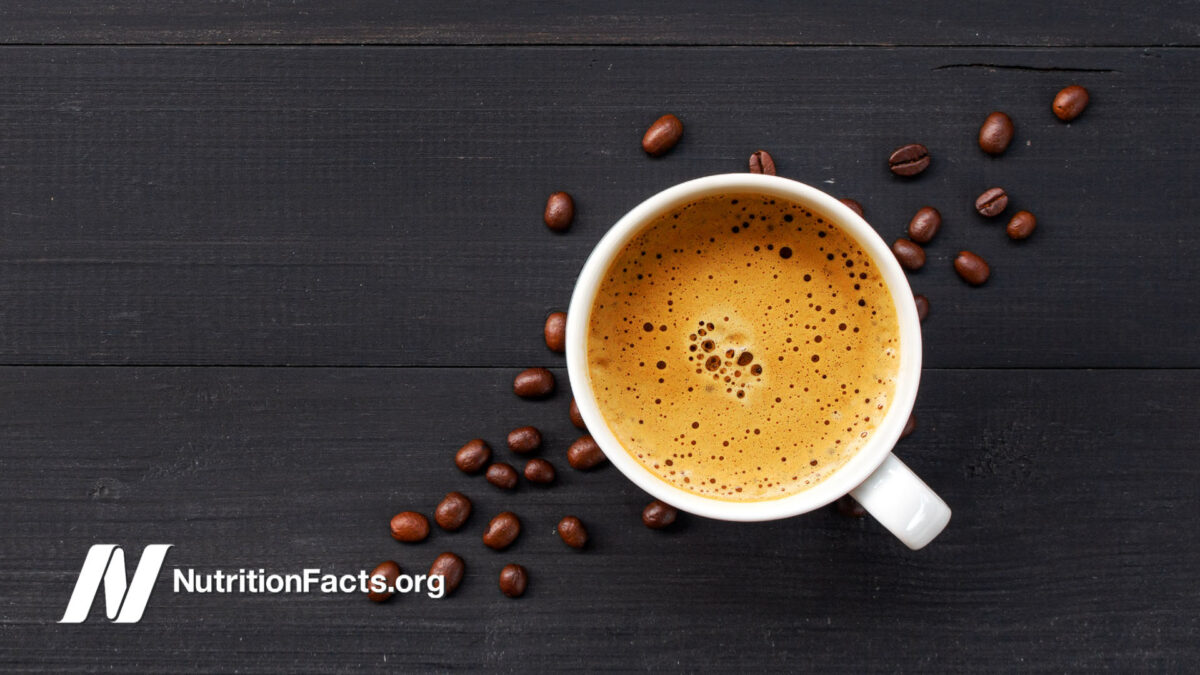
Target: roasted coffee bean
473, 456
658, 515
992, 202
502, 476
995, 133
584, 453
1021, 225
761, 162
560, 211
539, 471
502, 531
410, 527
662, 135
922, 306
452, 511
576, 418
909, 160
848, 506
909, 426
524, 439
451, 568
389, 571
513, 580
572, 532
1070, 102
555, 332
910, 255
971, 268
924, 225
854, 206
533, 383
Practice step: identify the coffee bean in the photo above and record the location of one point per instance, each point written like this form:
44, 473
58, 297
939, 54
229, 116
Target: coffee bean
1070, 102
854, 206
572, 532
576, 418
502, 531
584, 453
560, 211
848, 506
662, 135
533, 383
910, 255
539, 471
524, 439
502, 476
389, 571
555, 332
992, 202
658, 515
513, 580
971, 268
909, 160
761, 162
909, 426
410, 527
451, 568
1021, 225
924, 225
995, 133
922, 307
452, 511
473, 456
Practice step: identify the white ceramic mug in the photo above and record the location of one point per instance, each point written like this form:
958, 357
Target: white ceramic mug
874, 476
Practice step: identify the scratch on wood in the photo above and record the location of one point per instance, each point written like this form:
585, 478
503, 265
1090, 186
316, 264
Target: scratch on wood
1036, 69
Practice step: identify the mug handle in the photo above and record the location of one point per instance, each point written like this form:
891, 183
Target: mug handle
905, 505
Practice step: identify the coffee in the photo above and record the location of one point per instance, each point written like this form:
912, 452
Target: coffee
743, 347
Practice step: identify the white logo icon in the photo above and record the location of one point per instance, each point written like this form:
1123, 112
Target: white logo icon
124, 601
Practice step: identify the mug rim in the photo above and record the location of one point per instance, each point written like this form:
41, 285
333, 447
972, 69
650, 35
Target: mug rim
846, 477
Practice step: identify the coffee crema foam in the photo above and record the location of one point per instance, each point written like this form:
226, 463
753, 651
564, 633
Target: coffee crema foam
742, 347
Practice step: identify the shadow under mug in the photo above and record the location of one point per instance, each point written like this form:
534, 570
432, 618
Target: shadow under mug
886, 488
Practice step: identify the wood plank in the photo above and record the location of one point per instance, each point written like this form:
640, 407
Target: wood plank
708, 22
170, 206
1072, 547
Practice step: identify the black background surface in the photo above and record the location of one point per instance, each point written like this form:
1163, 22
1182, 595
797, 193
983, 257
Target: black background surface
264, 267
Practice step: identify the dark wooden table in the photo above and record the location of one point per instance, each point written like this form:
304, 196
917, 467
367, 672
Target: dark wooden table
264, 266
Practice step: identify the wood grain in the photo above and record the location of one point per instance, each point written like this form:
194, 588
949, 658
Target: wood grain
294, 206
1072, 547
708, 22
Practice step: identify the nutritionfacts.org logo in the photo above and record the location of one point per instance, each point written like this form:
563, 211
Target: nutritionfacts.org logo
125, 599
